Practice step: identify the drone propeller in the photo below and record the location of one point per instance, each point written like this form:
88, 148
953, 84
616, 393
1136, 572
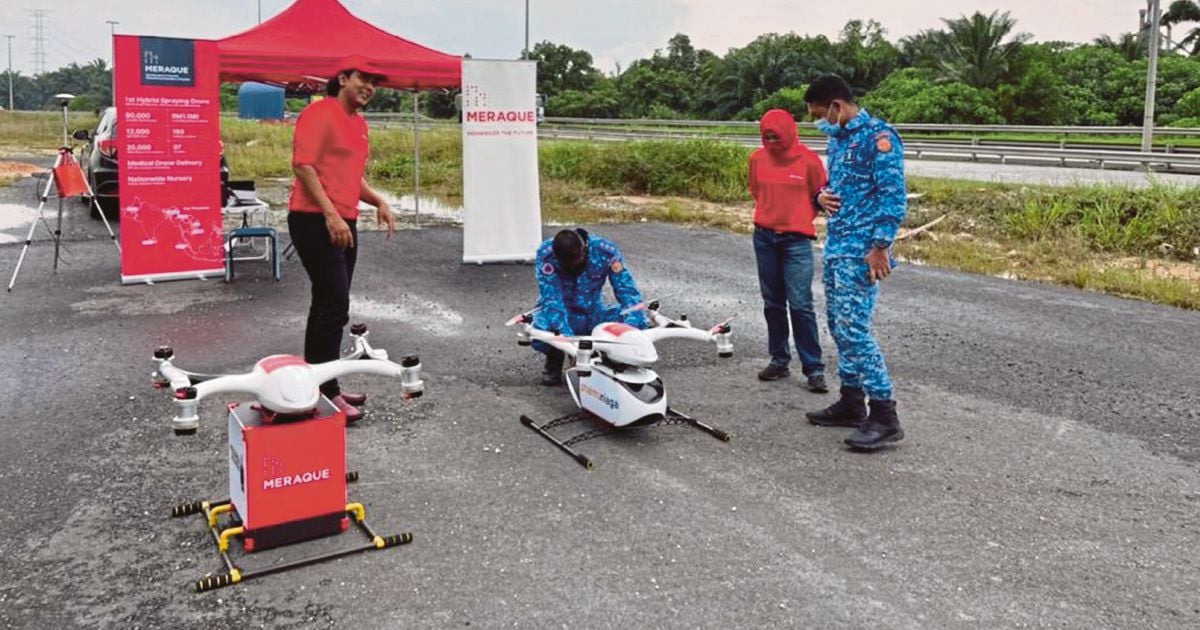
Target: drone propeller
723, 327
522, 318
644, 304
611, 342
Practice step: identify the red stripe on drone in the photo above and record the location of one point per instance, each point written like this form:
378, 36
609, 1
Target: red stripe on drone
616, 329
277, 361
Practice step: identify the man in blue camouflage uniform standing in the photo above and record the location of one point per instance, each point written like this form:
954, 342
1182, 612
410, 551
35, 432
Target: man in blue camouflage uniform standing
571, 270
866, 202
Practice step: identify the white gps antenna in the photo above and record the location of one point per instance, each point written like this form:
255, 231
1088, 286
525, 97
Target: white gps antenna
64, 100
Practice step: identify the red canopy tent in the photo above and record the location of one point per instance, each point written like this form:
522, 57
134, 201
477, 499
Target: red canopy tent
303, 45
308, 39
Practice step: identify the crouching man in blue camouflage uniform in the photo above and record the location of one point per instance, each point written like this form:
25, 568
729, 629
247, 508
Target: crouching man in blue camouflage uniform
866, 201
571, 270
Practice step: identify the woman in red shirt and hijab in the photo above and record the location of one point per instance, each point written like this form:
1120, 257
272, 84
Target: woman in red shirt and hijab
785, 177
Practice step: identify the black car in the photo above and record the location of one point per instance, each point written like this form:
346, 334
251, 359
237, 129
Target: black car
99, 161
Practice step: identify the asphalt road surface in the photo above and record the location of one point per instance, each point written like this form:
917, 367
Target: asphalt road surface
1043, 174
1049, 477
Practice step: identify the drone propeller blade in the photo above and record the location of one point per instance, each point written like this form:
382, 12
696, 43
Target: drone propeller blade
611, 342
641, 306
722, 325
517, 319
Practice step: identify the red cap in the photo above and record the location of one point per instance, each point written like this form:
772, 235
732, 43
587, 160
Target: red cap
363, 64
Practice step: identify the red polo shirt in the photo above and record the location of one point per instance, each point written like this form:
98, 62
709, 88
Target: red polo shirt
335, 144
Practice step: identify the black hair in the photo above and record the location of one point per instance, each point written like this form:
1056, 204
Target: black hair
825, 88
334, 85
568, 245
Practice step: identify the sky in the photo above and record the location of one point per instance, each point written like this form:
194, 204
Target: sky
614, 31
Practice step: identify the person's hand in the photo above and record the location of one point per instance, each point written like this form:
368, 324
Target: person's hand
384, 216
879, 264
829, 200
339, 232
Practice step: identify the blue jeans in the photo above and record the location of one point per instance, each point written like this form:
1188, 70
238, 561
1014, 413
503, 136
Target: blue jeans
785, 275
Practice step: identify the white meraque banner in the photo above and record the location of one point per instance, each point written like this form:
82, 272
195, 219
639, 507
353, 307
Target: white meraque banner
502, 208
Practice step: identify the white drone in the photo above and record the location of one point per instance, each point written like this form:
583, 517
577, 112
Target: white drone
609, 376
283, 385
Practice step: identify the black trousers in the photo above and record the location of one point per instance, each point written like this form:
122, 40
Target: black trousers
330, 269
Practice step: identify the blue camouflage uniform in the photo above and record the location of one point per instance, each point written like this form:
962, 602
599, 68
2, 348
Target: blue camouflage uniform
866, 169
573, 305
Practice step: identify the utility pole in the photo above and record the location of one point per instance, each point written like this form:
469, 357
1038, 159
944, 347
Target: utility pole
525, 52
260, 11
112, 56
112, 32
10, 77
1155, 18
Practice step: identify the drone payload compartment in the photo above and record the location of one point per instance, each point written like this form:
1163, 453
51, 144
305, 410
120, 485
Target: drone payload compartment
287, 480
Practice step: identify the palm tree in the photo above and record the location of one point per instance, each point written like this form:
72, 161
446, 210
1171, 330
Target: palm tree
1131, 46
1180, 12
977, 52
926, 49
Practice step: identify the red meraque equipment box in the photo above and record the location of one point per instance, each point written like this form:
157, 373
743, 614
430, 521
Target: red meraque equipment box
287, 480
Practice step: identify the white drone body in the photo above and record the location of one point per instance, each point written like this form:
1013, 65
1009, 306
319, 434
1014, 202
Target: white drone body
282, 384
610, 375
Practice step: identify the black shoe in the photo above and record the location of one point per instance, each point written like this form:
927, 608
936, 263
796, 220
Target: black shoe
848, 411
882, 427
773, 373
552, 371
816, 384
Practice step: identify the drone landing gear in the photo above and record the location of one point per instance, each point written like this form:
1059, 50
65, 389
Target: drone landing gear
212, 510
672, 417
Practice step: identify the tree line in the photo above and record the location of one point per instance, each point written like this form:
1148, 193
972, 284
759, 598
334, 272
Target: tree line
977, 69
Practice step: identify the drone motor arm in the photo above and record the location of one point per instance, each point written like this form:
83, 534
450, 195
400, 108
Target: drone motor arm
658, 334
362, 347
682, 329
558, 342
167, 375
408, 370
188, 396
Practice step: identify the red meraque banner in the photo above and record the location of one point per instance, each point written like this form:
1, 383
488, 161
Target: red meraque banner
169, 158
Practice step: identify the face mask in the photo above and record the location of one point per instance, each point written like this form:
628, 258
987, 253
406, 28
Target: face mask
828, 128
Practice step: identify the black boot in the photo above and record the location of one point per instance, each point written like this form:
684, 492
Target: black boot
881, 428
552, 372
848, 411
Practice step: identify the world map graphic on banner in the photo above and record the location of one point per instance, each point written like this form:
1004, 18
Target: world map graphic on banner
174, 229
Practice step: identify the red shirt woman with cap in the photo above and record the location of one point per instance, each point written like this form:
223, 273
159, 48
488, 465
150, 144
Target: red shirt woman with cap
329, 157
785, 177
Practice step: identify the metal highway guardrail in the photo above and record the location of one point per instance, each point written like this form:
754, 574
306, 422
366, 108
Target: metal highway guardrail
1057, 152
922, 149
920, 127
820, 141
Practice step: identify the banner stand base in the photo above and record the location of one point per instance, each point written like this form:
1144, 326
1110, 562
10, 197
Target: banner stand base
497, 258
151, 278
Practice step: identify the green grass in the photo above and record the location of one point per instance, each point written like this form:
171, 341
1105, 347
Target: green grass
1159, 221
39, 132
1068, 235
703, 169
1055, 262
